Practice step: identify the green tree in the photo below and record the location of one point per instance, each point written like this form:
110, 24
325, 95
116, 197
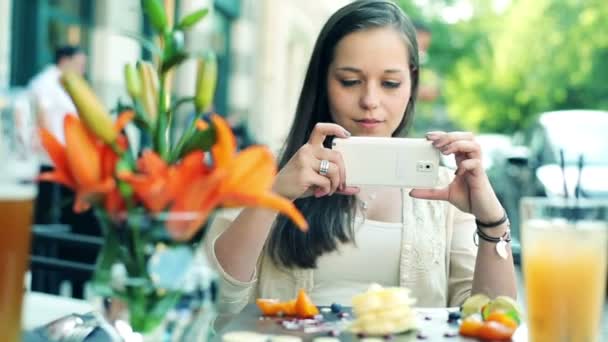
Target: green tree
539, 55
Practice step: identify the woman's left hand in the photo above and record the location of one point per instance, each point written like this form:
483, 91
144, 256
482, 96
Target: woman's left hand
470, 191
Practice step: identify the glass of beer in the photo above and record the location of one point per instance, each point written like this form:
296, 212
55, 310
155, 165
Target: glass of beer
564, 253
18, 169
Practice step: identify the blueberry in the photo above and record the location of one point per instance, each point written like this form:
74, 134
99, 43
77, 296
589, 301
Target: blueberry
421, 336
334, 333
454, 315
335, 308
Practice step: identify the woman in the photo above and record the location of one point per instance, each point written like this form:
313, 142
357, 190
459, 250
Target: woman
362, 80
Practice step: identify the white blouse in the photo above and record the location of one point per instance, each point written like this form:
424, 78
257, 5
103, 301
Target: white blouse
376, 253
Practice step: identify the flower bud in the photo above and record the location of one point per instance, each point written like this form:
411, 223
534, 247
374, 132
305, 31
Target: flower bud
206, 82
149, 87
133, 82
90, 109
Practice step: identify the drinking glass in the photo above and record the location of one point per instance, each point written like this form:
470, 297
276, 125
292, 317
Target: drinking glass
18, 169
564, 253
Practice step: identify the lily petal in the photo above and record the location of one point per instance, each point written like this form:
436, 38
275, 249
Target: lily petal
225, 144
149, 189
55, 150
123, 119
202, 125
202, 197
151, 163
253, 169
82, 153
57, 176
267, 200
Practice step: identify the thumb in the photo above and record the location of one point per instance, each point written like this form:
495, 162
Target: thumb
431, 194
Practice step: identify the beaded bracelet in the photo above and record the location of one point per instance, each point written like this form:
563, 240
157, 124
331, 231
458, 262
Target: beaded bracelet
492, 224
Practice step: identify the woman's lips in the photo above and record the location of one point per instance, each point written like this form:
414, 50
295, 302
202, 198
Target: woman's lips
368, 123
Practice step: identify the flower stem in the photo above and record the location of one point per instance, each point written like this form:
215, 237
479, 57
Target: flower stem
162, 145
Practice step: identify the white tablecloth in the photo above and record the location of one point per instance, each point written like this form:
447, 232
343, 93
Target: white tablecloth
41, 308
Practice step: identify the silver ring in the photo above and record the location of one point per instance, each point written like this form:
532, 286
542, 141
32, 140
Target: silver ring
324, 168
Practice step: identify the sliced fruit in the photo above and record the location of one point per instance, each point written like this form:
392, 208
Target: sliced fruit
470, 326
289, 308
505, 304
305, 308
269, 307
474, 304
503, 318
495, 331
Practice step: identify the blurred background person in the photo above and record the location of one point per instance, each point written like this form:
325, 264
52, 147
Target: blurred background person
53, 103
53, 204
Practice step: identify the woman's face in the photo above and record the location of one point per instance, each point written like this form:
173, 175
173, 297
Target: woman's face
369, 82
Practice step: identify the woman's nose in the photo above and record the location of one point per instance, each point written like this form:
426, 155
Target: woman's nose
370, 99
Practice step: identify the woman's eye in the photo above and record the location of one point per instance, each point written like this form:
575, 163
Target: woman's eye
391, 84
349, 83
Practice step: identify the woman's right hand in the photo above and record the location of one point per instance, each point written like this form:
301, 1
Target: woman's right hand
300, 177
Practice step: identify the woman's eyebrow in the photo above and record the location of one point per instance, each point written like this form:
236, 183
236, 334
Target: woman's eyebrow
356, 70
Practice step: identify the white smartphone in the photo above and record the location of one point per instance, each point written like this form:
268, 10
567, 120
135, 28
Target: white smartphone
402, 162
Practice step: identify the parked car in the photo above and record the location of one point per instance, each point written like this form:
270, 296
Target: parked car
534, 168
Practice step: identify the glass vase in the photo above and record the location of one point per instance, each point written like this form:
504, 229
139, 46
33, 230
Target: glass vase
152, 287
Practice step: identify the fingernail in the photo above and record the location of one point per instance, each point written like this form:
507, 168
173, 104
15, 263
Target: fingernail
432, 135
347, 133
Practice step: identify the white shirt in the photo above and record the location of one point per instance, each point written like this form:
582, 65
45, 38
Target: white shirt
53, 101
376, 253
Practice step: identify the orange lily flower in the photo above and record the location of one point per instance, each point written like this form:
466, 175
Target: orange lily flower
84, 164
157, 184
237, 179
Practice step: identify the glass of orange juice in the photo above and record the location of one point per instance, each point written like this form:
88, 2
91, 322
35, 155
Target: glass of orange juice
564, 254
18, 168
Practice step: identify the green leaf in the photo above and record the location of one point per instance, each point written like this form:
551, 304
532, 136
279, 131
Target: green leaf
193, 139
108, 255
156, 13
201, 140
192, 18
145, 43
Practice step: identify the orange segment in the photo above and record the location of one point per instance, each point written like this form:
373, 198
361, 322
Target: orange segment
470, 327
269, 307
304, 306
495, 331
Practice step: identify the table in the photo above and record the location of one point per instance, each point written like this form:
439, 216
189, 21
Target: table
41, 308
433, 324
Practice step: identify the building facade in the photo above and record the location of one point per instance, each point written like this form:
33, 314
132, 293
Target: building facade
263, 47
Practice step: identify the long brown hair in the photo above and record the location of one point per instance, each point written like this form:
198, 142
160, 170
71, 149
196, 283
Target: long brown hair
331, 219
